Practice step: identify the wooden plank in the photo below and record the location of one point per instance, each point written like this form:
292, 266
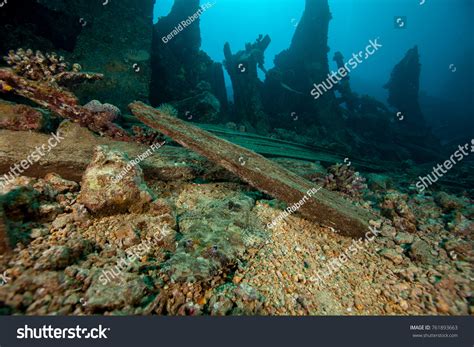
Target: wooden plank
271, 147
325, 207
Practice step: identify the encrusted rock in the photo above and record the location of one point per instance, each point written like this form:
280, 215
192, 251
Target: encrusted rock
447, 202
421, 251
129, 290
61, 185
342, 178
403, 238
22, 117
391, 254
111, 184
395, 207
61, 256
377, 182
61, 221
49, 211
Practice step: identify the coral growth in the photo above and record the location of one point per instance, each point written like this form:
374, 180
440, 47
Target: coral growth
47, 93
395, 207
98, 107
343, 179
168, 109
48, 67
36, 66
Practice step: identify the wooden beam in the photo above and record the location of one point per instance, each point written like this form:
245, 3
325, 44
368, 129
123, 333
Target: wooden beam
325, 207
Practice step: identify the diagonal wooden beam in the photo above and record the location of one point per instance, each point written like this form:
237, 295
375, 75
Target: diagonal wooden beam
325, 207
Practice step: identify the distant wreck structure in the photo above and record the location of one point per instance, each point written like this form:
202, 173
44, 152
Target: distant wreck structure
182, 74
243, 71
403, 88
288, 84
344, 87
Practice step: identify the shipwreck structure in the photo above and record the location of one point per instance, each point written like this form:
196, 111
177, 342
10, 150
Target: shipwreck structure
305, 62
243, 70
181, 71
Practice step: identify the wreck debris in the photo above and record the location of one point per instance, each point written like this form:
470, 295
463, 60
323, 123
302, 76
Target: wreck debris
403, 88
326, 207
242, 69
297, 68
72, 156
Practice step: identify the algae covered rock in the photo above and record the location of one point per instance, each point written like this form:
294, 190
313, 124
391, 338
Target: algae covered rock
4, 239
378, 182
111, 184
420, 251
61, 256
218, 231
115, 294
19, 206
231, 299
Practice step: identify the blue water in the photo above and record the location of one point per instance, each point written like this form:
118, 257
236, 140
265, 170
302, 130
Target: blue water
438, 27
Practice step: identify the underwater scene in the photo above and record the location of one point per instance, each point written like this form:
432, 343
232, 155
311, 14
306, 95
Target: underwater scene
236, 157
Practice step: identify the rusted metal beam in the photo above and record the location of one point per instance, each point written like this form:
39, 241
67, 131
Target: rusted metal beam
325, 206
